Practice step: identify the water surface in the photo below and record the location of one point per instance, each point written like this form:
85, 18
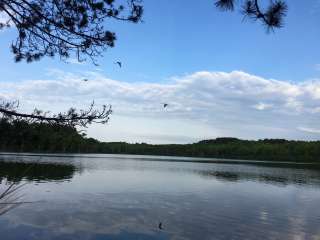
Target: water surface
121, 197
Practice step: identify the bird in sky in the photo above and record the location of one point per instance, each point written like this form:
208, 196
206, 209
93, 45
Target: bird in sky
85, 80
165, 105
160, 226
119, 64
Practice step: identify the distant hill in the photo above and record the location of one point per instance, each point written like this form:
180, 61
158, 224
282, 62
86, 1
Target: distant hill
221, 140
20, 136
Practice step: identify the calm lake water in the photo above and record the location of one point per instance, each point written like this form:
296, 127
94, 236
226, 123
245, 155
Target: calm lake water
121, 197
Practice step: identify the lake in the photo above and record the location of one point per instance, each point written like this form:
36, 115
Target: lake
126, 197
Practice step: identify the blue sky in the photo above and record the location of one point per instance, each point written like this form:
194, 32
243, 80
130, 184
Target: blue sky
178, 39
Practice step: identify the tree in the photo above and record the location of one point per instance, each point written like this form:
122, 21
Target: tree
272, 17
62, 28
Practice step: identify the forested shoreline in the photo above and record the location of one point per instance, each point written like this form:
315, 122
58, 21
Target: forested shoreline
21, 136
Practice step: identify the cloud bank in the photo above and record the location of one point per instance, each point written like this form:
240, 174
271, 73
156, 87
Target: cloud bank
201, 105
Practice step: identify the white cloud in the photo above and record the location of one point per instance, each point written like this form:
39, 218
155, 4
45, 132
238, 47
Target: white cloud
201, 105
262, 106
309, 130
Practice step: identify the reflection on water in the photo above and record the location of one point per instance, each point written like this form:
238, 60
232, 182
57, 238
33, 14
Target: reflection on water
121, 198
12, 173
17, 171
272, 176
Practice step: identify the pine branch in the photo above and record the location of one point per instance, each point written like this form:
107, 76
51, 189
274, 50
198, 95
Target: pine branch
62, 28
272, 17
72, 117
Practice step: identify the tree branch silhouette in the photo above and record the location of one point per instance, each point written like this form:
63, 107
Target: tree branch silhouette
272, 17
71, 118
62, 28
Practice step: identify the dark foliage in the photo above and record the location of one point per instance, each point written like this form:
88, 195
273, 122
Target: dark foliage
272, 16
60, 27
20, 136
37, 137
220, 140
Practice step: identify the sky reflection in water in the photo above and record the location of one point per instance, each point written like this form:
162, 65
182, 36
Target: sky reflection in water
106, 198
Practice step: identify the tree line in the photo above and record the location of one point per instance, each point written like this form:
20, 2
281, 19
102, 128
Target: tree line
22, 136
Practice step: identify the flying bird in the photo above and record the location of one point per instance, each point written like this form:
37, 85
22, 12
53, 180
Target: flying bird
85, 80
119, 64
165, 105
160, 226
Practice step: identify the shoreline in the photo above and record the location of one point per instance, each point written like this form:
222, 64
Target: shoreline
158, 158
